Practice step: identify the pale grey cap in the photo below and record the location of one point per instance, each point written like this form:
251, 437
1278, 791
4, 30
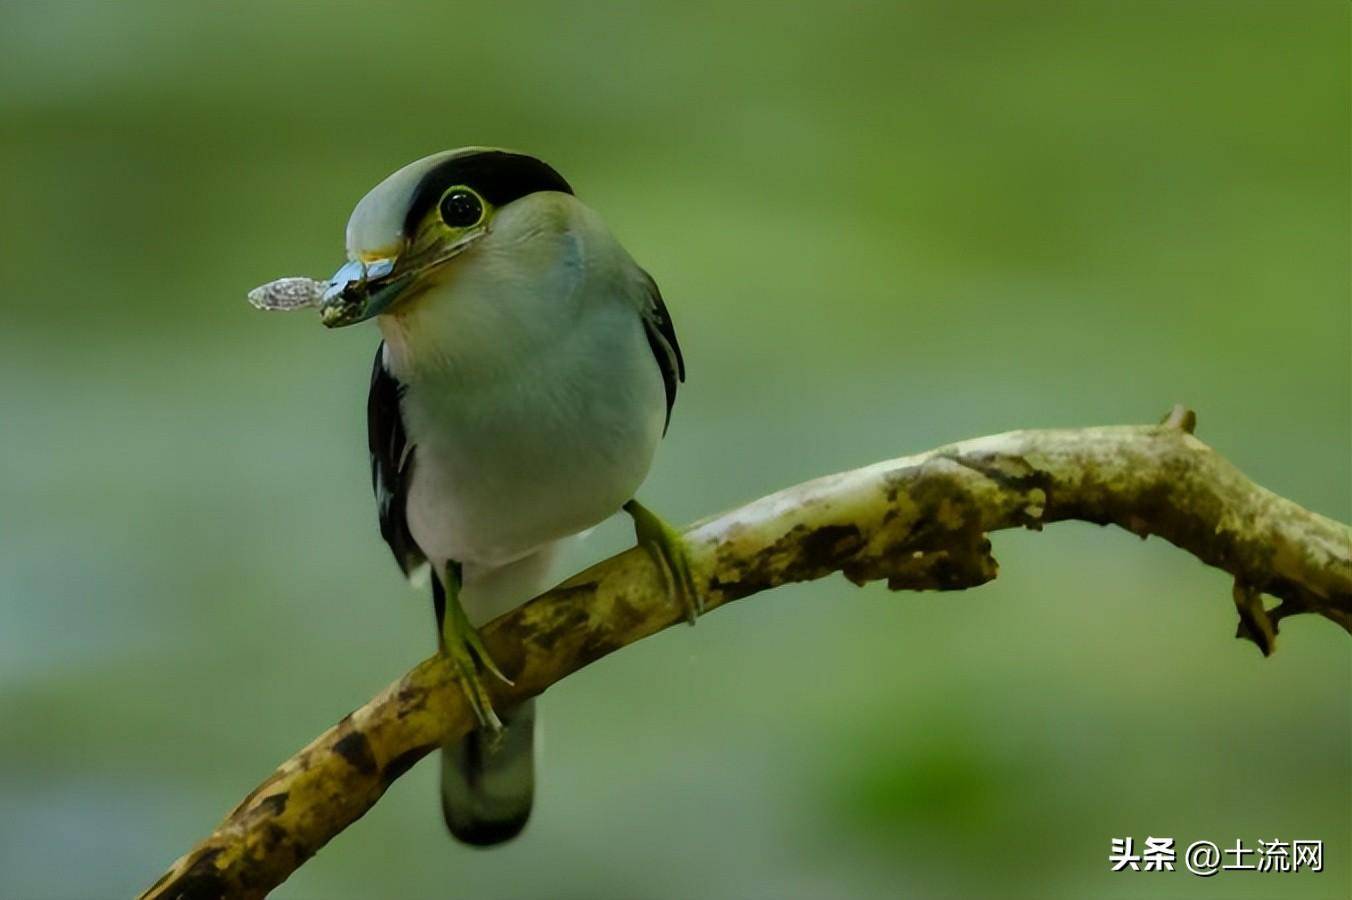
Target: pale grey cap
384, 219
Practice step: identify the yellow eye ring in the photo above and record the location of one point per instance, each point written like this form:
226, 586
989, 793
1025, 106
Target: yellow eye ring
460, 207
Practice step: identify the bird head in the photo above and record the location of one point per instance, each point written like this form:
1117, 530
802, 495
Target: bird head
404, 235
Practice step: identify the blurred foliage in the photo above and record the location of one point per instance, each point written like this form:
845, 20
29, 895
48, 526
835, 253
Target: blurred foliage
880, 227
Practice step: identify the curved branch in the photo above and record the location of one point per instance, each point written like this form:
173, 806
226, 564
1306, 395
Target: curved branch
919, 522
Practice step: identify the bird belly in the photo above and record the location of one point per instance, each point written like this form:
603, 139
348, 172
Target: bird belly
504, 466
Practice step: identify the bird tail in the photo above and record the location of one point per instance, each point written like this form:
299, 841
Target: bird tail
488, 781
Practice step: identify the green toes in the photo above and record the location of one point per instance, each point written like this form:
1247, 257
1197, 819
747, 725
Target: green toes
668, 550
464, 649
462, 646
465, 664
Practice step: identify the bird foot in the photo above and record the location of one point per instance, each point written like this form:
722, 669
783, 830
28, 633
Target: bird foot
469, 658
667, 548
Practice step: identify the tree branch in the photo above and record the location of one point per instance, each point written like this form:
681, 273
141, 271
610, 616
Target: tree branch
919, 522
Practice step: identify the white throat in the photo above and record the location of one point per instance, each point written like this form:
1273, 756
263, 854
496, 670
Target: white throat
509, 296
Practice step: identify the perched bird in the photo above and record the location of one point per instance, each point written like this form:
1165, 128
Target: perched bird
526, 375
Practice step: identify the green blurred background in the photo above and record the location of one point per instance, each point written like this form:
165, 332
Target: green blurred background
879, 228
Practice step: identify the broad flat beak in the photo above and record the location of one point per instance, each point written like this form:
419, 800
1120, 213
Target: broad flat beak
358, 291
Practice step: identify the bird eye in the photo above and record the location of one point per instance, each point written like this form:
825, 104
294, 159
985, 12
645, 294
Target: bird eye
460, 208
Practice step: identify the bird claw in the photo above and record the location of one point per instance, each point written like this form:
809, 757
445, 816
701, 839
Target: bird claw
465, 650
465, 667
667, 548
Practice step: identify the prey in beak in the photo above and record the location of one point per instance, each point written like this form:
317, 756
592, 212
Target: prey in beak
408, 227
361, 290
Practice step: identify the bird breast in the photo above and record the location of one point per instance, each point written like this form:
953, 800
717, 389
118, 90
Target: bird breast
541, 440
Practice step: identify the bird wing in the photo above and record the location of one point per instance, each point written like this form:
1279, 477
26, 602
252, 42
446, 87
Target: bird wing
391, 462
662, 339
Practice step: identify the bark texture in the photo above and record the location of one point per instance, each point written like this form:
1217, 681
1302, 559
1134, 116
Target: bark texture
920, 522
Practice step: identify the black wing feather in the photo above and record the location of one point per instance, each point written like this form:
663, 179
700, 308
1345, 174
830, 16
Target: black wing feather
662, 339
391, 462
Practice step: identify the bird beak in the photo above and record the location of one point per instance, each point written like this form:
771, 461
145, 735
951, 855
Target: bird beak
361, 290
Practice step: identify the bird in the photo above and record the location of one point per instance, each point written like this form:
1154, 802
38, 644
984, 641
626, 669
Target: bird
526, 374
